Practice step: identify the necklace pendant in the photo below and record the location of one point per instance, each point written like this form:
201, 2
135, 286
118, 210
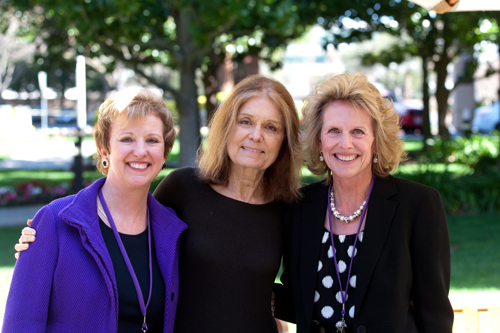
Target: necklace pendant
144, 326
342, 325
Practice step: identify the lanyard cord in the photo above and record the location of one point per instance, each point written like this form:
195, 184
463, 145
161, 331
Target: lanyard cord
342, 293
129, 264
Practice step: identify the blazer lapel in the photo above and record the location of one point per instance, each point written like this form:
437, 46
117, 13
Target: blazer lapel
313, 213
381, 211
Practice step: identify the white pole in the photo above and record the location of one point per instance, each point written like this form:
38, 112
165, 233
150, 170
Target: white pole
81, 88
42, 82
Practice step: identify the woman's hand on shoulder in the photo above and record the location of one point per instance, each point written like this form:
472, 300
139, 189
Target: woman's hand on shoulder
27, 236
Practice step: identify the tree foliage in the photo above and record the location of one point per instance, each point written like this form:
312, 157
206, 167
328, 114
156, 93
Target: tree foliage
436, 39
149, 36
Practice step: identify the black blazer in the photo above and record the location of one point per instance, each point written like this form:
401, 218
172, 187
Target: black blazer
405, 255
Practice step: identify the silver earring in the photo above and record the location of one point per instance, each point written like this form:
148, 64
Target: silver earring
105, 163
375, 159
321, 156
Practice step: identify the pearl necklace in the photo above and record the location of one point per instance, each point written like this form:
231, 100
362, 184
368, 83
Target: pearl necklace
340, 217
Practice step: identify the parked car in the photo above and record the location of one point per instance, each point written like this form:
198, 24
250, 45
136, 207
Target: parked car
410, 118
486, 118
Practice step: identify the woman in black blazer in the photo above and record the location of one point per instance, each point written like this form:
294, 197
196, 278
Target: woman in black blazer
386, 265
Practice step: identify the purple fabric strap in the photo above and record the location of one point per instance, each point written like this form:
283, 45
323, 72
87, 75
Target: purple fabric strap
129, 265
342, 293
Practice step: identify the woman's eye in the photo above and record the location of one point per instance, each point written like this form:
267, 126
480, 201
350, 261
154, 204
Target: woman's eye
358, 132
153, 140
272, 128
333, 130
126, 139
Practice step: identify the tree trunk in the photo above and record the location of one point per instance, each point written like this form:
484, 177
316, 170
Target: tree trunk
426, 128
186, 99
210, 86
442, 94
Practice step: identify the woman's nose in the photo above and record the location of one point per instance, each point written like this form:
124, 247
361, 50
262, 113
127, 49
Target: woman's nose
140, 149
256, 134
345, 141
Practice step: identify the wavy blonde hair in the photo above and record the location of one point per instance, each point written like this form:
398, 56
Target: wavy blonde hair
356, 89
281, 180
125, 106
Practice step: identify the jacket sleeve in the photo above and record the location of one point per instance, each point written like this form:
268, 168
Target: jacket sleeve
430, 247
284, 303
29, 295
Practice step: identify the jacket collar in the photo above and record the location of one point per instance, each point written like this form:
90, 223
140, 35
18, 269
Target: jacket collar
380, 216
82, 210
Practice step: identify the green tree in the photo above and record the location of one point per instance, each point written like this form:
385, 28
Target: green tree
181, 35
436, 39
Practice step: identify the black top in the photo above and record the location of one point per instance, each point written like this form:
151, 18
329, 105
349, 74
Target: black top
130, 318
327, 297
229, 257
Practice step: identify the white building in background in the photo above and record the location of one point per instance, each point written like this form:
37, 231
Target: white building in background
307, 63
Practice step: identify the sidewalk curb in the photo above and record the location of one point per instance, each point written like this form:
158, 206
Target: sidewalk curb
17, 216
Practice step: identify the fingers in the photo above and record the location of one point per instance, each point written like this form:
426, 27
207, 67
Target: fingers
26, 239
28, 231
28, 223
21, 247
16, 255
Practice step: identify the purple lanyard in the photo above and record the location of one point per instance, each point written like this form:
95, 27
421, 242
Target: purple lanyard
342, 293
129, 265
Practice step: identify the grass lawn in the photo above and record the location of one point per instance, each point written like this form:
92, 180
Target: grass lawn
8, 237
475, 252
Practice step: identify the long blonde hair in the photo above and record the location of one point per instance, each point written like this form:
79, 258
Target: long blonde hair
282, 179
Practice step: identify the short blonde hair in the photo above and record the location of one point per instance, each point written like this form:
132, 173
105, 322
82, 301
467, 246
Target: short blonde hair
282, 179
132, 104
356, 89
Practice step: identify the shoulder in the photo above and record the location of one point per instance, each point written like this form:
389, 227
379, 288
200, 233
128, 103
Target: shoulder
406, 187
180, 177
163, 215
311, 191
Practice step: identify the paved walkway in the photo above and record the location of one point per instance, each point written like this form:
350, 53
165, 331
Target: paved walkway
56, 155
17, 216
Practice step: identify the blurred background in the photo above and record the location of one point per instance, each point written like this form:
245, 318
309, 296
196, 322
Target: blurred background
59, 60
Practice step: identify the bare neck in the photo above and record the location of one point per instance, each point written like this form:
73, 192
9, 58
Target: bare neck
350, 193
128, 208
245, 186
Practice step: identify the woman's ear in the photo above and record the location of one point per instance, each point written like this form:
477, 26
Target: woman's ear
102, 152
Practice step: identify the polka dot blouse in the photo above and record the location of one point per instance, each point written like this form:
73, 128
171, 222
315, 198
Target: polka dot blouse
327, 297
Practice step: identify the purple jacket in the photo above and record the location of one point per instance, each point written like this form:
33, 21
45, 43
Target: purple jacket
66, 281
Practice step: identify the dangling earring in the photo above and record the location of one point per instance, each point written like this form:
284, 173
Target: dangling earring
164, 166
375, 158
105, 163
321, 156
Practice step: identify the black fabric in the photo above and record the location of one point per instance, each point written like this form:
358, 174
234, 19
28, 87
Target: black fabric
130, 318
404, 257
228, 260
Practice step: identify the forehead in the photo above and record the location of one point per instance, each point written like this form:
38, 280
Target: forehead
149, 121
261, 107
344, 112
